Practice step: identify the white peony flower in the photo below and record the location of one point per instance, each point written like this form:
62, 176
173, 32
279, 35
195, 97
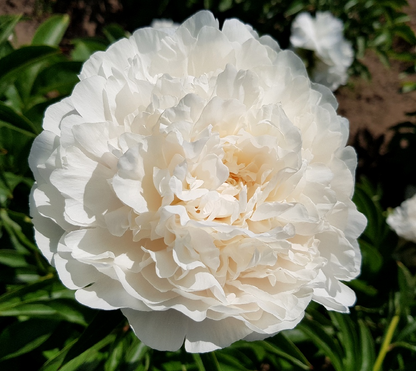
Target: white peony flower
163, 24
199, 182
331, 55
403, 219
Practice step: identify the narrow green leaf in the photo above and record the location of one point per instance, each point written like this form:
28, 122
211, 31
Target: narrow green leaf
7, 25
404, 56
368, 354
383, 58
406, 33
350, 4
210, 361
348, 338
272, 348
323, 341
372, 259
11, 180
294, 7
55, 362
361, 46
62, 309
408, 330
116, 354
22, 337
52, 30
5, 48
89, 356
239, 356
39, 289
15, 129
136, 353
359, 285
385, 346
12, 258
20, 242
95, 332
405, 345
8, 115
198, 362
284, 343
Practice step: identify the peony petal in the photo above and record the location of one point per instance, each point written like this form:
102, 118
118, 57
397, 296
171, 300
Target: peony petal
148, 327
87, 98
209, 335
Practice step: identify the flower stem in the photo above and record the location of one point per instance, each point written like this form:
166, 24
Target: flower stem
386, 343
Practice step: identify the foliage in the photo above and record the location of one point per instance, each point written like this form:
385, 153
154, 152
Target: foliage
378, 25
42, 324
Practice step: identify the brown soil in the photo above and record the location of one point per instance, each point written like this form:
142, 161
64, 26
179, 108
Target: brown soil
26, 28
375, 105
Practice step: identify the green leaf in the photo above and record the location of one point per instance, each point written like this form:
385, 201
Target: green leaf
8, 115
89, 358
323, 341
12, 258
361, 46
210, 361
402, 56
85, 47
62, 309
8, 182
116, 354
239, 356
408, 86
300, 362
60, 77
290, 349
35, 291
350, 4
198, 362
21, 59
37, 112
368, 355
225, 5
7, 25
367, 200
407, 285
95, 332
52, 30
359, 285
22, 337
136, 353
405, 345
406, 33
408, 330
348, 338
294, 7
372, 259
383, 58
20, 242
114, 32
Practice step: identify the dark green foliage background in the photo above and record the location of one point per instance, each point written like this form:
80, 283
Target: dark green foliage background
41, 324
